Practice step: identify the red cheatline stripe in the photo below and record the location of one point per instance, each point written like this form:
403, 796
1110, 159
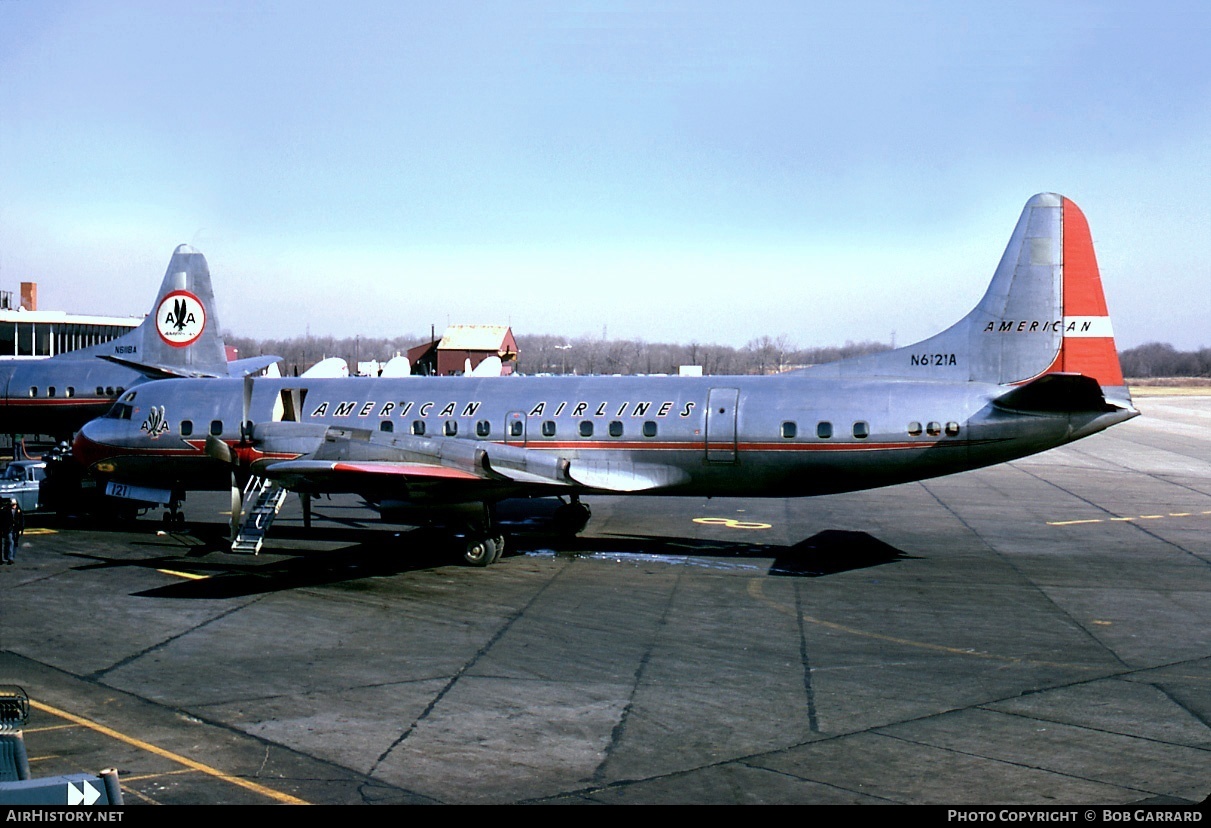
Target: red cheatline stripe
411, 469
57, 401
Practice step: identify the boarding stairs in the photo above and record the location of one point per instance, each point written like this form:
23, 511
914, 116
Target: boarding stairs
267, 498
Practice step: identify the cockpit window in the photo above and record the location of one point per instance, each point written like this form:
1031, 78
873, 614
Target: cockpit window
119, 411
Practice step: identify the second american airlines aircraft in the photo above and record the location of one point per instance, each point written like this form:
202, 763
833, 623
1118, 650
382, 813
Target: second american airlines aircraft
1032, 367
179, 338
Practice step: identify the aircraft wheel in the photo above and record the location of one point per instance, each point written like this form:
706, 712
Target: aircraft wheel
499, 540
480, 551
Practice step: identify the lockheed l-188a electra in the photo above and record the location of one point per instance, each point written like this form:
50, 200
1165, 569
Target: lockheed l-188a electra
1032, 367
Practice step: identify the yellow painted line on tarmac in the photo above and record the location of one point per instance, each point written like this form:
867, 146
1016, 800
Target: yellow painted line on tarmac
270, 793
757, 590
40, 530
48, 728
731, 523
144, 776
1125, 519
193, 576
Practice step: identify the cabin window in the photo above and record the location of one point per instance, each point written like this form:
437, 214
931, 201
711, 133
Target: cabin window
109, 391
119, 390
914, 429
69, 391
824, 430
789, 430
861, 429
100, 391
50, 392
386, 425
615, 428
649, 428
450, 427
548, 428
33, 390
516, 428
418, 428
952, 429
216, 427
933, 429
586, 428
483, 428
186, 428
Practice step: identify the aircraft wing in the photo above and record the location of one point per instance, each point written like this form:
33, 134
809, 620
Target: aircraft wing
340, 459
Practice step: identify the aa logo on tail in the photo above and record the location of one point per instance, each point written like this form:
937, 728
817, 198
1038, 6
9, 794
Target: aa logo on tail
180, 318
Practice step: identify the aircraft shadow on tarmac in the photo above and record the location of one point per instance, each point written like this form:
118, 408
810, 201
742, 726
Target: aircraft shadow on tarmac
825, 553
380, 553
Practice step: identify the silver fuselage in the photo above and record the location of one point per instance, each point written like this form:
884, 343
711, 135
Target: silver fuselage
725, 435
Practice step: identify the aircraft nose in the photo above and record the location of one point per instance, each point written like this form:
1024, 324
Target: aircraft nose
85, 449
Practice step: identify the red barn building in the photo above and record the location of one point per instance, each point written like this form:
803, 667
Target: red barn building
465, 342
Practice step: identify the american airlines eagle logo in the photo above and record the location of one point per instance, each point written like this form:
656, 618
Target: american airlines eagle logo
156, 422
180, 318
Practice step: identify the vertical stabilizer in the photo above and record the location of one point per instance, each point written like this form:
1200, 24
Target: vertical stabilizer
180, 336
1044, 312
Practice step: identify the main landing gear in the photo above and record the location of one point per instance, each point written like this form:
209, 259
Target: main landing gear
174, 518
484, 541
483, 550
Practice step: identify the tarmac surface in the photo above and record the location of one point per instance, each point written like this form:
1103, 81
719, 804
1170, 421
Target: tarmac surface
1037, 633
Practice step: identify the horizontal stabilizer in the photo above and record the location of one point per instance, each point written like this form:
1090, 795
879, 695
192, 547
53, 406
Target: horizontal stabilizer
253, 366
161, 371
1057, 394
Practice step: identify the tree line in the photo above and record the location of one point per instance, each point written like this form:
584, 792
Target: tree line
1160, 359
550, 354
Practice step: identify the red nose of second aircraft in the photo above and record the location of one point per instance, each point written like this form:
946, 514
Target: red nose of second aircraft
86, 450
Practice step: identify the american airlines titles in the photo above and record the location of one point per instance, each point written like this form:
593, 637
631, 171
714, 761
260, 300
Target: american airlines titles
1037, 326
540, 409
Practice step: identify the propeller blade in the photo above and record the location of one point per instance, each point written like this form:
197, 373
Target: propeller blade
219, 450
245, 423
237, 506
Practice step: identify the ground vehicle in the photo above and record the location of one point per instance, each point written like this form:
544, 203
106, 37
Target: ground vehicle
22, 480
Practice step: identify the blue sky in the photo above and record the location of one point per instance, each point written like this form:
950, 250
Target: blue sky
708, 172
